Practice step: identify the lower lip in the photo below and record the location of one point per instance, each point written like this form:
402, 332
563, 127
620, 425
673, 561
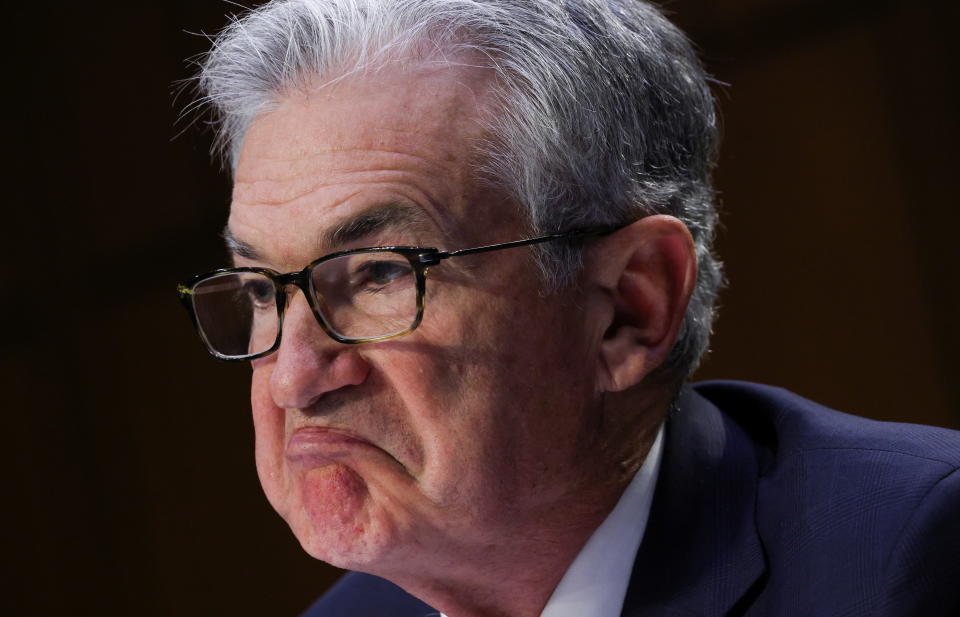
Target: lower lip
318, 443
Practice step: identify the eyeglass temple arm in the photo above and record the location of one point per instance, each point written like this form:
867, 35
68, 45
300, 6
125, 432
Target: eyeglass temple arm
434, 258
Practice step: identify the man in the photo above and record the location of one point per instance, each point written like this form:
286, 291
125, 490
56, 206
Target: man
473, 268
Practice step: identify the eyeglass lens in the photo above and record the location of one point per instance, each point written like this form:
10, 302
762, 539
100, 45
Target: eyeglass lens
359, 296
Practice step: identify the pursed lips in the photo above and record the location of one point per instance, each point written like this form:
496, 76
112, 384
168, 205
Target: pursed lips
314, 444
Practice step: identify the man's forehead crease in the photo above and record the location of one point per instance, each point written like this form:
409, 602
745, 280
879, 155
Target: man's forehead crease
273, 192
350, 165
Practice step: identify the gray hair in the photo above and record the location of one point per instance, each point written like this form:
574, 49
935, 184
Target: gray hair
603, 113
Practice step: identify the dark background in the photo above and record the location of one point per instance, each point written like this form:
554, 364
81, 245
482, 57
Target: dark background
130, 486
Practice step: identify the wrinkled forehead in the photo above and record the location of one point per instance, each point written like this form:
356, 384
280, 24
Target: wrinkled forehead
397, 106
325, 151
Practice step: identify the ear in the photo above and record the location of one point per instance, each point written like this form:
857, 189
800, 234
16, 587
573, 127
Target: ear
643, 276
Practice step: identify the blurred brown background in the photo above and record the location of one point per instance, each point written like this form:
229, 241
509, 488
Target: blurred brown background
130, 484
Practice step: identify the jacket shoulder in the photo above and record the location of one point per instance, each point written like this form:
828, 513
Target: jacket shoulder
788, 423
862, 511
363, 595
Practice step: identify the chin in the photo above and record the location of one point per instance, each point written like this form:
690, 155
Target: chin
335, 519
351, 547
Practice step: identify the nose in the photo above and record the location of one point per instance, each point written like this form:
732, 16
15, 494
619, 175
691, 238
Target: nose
309, 363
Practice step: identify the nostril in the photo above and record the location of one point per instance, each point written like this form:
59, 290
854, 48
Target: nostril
350, 369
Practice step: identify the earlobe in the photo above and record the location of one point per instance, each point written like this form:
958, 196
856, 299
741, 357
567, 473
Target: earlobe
647, 272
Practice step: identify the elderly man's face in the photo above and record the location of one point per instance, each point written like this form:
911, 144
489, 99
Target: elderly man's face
454, 434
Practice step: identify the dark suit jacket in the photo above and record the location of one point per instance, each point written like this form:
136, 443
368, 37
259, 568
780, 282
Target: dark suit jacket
769, 504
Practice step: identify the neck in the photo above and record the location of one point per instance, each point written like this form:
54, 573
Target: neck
514, 579
515, 574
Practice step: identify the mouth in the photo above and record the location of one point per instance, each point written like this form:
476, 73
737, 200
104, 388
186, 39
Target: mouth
313, 445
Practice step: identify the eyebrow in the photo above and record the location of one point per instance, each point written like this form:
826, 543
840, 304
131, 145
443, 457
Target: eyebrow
373, 220
366, 223
238, 247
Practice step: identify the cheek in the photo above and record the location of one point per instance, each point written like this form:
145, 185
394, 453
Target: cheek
458, 385
268, 424
515, 377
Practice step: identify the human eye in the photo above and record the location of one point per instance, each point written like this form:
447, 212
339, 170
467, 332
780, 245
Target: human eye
382, 274
258, 291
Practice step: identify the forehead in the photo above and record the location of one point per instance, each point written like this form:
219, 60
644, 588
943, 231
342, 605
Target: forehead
324, 154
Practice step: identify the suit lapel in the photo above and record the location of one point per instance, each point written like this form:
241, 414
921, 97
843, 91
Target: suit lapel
700, 553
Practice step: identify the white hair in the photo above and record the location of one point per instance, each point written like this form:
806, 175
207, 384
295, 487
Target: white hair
603, 112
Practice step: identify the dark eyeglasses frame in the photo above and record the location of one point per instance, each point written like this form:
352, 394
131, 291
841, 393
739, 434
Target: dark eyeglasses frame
420, 258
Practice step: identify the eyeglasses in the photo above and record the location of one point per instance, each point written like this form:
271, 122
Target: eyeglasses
358, 296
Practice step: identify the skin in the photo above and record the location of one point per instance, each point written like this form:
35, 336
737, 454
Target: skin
470, 460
